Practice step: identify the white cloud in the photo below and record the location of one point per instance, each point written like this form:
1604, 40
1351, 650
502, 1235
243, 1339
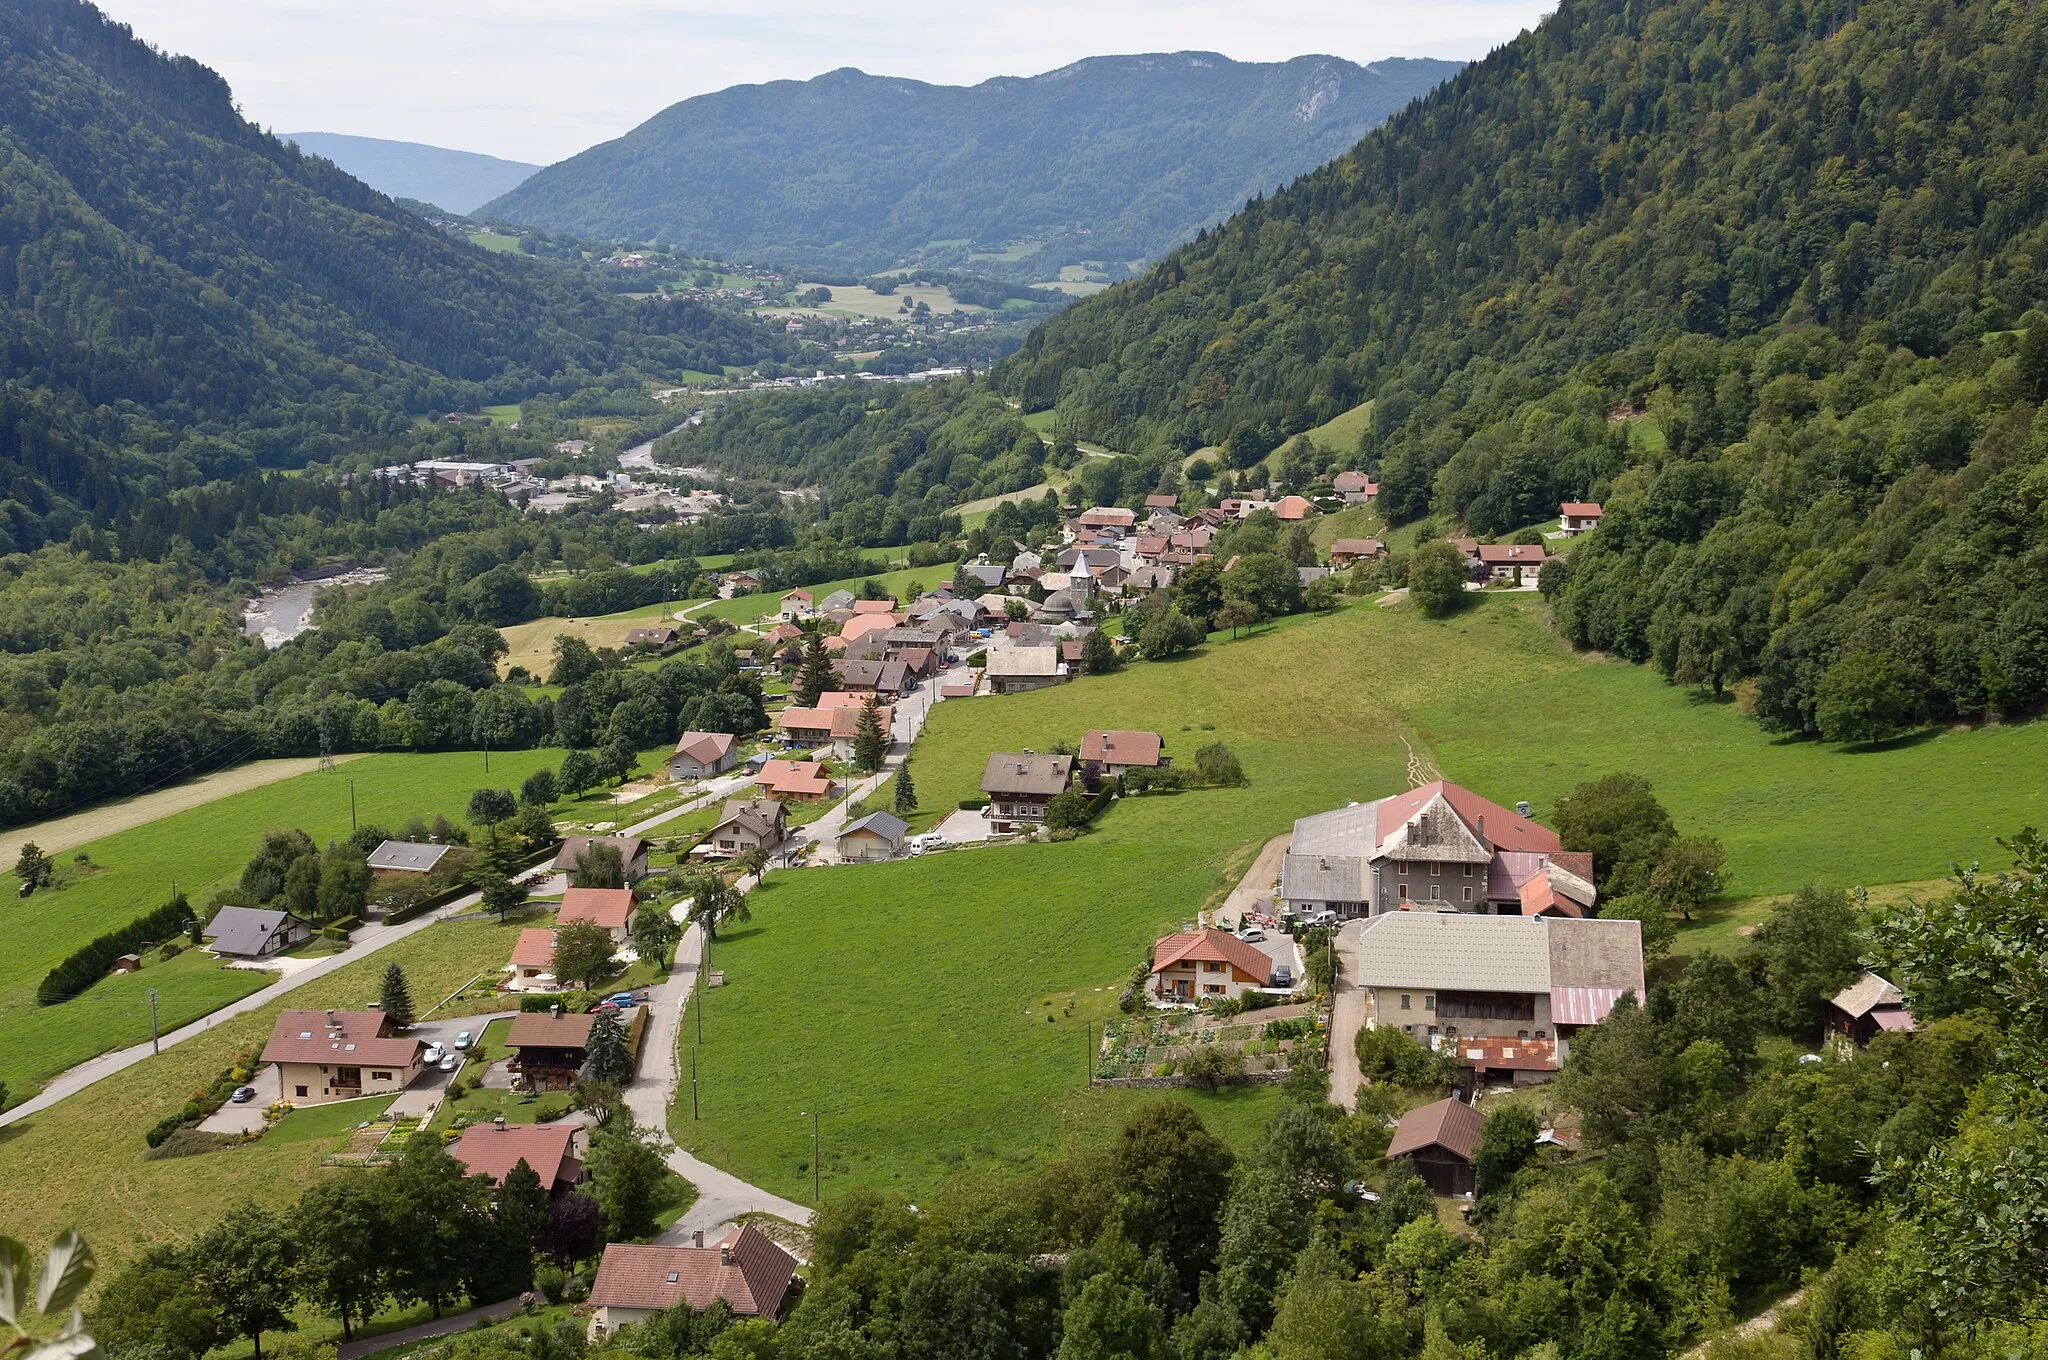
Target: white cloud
539, 80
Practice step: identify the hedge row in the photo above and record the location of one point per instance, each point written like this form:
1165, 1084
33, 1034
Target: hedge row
89, 964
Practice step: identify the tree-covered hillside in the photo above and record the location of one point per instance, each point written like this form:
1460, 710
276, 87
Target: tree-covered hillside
1762, 275
890, 462
1110, 159
185, 296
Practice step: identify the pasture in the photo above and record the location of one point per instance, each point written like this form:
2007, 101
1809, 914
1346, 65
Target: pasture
907, 999
199, 850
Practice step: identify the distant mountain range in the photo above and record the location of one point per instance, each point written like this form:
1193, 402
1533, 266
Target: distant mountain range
460, 181
1112, 159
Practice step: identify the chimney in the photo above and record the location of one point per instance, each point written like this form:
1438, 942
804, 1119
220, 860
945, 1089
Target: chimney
555, 1011
725, 1253
499, 1123
330, 1017
697, 1238
1482, 826
1523, 810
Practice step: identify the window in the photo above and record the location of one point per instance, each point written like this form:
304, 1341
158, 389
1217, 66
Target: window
1212, 967
1468, 871
1450, 1031
1429, 1001
1213, 988
1404, 892
1436, 892
1435, 870
299, 1090
1522, 1035
1541, 1035
1407, 1029
1405, 1000
1432, 1031
1402, 868
1468, 894
380, 1076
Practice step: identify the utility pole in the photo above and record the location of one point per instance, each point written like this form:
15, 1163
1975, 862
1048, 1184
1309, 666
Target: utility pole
817, 1175
693, 1085
351, 805
154, 1046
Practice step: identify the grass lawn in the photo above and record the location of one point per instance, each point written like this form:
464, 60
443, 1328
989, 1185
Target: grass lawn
325, 1124
199, 850
904, 999
1344, 432
1353, 521
746, 608
506, 414
491, 240
81, 1162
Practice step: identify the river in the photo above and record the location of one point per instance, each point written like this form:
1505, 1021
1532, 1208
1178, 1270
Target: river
280, 613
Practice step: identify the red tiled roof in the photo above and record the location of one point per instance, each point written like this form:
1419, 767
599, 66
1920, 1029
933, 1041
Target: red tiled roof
1510, 554
1579, 862
354, 1037
706, 748
860, 625
1451, 1125
491, 1151
1539, 898
1212, 946
874, 606
746, 1269
1293, 507
1583, 509
535, 949
609, 907
1507, 830
1496, 1053
794, 777
1161, 502
1357, 547
630, 848
1121, 748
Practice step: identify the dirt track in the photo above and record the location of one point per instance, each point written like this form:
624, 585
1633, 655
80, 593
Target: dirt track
104, 819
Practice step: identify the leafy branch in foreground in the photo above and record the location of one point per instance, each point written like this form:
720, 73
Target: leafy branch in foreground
66, 1271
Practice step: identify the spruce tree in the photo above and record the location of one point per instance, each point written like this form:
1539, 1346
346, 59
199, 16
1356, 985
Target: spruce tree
906, 791
607, 1058
870, 742
814, 676
397, 997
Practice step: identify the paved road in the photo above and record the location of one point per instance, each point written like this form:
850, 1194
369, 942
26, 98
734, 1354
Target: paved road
1349, 1007
426, 1331
721, 1196
363, 943
911, 711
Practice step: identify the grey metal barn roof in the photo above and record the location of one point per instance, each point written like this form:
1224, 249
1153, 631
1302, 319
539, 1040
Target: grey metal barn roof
413, 857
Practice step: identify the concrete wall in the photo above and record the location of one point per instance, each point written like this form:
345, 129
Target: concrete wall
1421, 1014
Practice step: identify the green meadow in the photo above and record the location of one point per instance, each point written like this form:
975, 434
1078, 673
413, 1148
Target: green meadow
906, 1000
198, 850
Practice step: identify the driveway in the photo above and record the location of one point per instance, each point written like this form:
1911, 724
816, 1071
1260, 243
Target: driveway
233, 1118
1350, 1008
963, 827
1261, 880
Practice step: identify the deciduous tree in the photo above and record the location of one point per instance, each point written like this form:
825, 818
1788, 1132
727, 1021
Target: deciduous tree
584, 952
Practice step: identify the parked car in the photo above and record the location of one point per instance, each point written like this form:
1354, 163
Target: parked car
1252, 935
1283, 976
464, 1040
623, 1000
1325, 917
451, 1062
432, 1055
243, 1095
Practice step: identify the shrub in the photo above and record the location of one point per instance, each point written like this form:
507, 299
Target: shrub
455, 1091
1386, 1054
551, 1108
1218, 765
973, 804
550, 1281
1208, 1065
1063, 833
170, 950
1164, 1069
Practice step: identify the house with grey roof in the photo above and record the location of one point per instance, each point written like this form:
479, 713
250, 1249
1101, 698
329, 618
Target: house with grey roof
406, 857
1013, 670
253, 933
1504, 993
1020, 784
879, 835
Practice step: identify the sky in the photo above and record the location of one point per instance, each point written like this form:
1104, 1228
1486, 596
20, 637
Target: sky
538, 80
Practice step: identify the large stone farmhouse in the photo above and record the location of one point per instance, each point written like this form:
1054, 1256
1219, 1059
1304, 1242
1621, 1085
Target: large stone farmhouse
1436, 848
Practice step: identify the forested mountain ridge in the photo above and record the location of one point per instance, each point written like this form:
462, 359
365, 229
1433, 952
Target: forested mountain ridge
186, 296
1108, 159
1761, 276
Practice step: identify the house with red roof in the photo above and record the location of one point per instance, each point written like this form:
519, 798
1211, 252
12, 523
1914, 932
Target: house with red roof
794, 781
1345, 551
1200, 966
494, 1149
1293, 509
611, 908
324, 1056
532, 966
1579, 517
700, 755
1107, 754
746, 1271
1514, 562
